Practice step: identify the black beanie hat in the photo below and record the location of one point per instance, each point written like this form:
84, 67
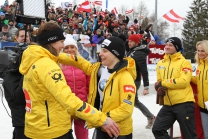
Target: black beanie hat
123, 37
176, 42
115, 45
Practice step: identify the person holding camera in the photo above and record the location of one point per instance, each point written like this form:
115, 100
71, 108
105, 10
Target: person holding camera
174, 74
13, 81
50, 103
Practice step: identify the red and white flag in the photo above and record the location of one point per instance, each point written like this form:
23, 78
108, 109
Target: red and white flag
102, 13
85, 6
173, 17
99, 3
129, 11
114, 11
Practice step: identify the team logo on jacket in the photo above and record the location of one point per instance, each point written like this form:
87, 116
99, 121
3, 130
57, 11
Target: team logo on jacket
129, 96
197, 72
28, 106
57, 77
129, 88
186, 70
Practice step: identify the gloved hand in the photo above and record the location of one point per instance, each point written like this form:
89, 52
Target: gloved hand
157, 85
161, 91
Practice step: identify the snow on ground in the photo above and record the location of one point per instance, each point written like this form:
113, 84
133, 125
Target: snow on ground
139, 120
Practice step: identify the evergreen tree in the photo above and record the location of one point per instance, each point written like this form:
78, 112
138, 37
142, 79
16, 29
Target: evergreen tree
195, 27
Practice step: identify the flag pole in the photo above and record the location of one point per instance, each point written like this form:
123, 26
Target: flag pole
155, 26
156, 20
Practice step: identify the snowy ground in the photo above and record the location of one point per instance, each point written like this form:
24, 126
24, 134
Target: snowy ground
139, 120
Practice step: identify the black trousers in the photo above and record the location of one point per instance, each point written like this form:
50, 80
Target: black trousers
68, 135
183, 113
99, 134
18, 133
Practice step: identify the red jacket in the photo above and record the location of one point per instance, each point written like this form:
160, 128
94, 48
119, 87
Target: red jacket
77, 80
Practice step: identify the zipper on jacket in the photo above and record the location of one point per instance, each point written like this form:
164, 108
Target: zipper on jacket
171, 72
167, 78
164, 73
47, 113
105, 93
111, 87
74, 80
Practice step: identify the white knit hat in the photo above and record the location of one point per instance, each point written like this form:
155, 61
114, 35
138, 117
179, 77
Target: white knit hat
69, 41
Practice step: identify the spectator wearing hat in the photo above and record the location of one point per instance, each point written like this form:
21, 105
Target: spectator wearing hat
64, 25
5, 36
98, 38
115, 31
78, 81
112, 88
80, 29
12, 28
139, 53
173, 87
3, 21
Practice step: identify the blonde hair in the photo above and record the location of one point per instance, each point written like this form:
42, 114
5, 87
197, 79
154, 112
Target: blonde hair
77, 52
204, 45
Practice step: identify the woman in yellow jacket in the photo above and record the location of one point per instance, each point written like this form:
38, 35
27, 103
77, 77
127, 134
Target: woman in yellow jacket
50, 102
112, 89
201, 80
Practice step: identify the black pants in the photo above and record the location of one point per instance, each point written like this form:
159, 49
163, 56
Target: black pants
183, 113
68, 135
18, 133
99, 134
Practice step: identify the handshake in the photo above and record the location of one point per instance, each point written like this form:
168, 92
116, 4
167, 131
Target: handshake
161, 91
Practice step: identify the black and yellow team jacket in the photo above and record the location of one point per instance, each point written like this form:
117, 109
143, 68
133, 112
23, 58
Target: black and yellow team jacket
175, 72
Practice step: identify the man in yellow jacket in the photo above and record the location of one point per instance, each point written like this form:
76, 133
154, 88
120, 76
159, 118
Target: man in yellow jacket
173, 85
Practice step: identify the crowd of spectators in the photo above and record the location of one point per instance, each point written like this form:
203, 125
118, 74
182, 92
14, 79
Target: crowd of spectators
98, 25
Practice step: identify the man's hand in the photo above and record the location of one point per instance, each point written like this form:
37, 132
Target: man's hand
111, 128
157, 85
145, 92
161, 91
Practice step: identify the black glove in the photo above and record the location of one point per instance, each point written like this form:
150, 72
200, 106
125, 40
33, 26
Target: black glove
157, 85
161, 91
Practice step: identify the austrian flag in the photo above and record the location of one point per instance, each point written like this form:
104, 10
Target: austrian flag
114, 11
173, 17
129, 11
99, 3
85, 6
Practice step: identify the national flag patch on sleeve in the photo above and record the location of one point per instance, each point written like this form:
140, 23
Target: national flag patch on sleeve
129, 88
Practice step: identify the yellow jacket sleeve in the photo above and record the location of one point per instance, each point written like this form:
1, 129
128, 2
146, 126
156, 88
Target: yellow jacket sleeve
55, 83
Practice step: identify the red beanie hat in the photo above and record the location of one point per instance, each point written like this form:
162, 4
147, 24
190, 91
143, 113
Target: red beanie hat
134, 37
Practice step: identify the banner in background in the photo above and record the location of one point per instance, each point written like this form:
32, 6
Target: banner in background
156, 53
66, 5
